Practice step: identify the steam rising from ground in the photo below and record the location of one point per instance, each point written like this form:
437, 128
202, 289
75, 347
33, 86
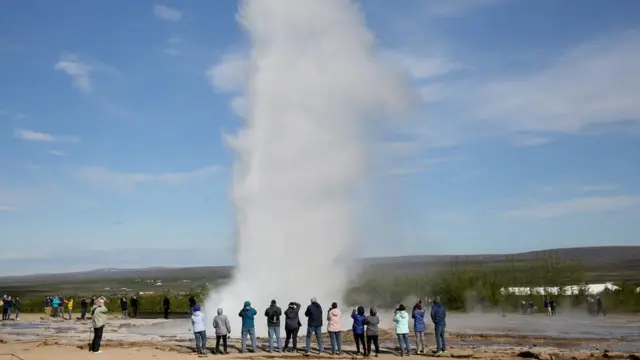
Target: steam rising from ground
313, 85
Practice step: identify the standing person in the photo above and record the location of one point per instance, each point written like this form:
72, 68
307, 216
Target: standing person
292, 325
47, 307
223, 329
4, 309
314, 325
199, 330
372, 323
123, 307
334, 328
273, 314
248, 325
83, 308
419, 327
70, 306
192, 304
439, 317
599, 306
359, 319
166, 306
552, 305
547, 305
401, 318
56, 304
8, 306
134, 306
16, 307
98, 321
93, 301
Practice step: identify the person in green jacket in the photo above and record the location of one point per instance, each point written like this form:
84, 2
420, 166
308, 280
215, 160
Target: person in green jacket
98, 320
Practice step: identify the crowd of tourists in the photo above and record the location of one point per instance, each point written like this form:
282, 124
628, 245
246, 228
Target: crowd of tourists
10, 306
364, 328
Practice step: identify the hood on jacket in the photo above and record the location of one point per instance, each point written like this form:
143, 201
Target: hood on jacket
373, 311
436, 300
360, 310
219, 311
335, 312
403, 313
247, 304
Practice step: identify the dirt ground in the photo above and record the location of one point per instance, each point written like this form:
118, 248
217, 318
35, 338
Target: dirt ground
32, 338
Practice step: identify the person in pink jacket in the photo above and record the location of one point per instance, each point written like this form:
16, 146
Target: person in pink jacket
334, 327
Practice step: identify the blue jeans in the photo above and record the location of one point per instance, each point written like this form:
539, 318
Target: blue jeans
252, 333
335, 338
275, 332
318, 332
201, 340
403, 339
441, 344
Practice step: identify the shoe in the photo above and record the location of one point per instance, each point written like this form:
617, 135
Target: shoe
98, 352
307, 354
439, 353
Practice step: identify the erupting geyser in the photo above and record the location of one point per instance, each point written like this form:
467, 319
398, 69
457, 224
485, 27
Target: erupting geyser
314, 81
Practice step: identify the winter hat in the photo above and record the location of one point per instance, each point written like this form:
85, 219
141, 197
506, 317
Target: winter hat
196, 308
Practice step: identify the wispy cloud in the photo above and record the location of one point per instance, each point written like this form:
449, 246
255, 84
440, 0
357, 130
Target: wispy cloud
79, 72
173, 44
422, 66
228, 74
454, 8
7, 208
57, 153
30, 135
423, 165
523, 140
593, 204
123, 181
163, 12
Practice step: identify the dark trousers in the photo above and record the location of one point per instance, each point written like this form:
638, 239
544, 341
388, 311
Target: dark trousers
134, 311
83, 313
97, 338
360, 341
5, 311
293, 336
166, 312
372, 339
224, 343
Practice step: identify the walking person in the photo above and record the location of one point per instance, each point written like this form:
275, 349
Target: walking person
166, 306
248, 325
292, 325
199, 330
314, 325
223, 329
70, 307
401, 318
419, 326
334, 328
359, 319
273, 314
134, 302
123, 307
98, 321
439, 317
372, 323
83, 308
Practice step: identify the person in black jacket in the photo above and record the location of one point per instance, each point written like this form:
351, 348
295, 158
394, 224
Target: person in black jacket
134, 306
83, 308
192, 304
314, 325
273, 314
292, 325
166, 305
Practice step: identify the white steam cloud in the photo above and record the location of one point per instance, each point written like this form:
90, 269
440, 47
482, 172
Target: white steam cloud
313, 86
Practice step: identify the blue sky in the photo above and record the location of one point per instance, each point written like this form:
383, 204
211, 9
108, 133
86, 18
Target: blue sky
112, 118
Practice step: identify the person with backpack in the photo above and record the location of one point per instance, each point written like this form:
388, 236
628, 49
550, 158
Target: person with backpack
292, 325
314, 325
273, 314
248, 325
223, 329
98, 321
359, 319
372, 323
419, 326
334, 328
439, 317
401, 318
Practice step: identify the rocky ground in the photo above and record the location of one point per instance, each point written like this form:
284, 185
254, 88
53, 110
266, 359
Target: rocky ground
33, 338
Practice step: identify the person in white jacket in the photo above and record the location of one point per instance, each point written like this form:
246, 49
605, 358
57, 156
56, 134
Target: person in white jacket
401, 318
199, 330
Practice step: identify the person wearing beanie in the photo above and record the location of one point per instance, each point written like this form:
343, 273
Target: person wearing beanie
273, 314
373, 331
292, 325
314, 325
334, 328
248, 315
199, 330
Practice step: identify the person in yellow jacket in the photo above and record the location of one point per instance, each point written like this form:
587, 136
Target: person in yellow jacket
70, 306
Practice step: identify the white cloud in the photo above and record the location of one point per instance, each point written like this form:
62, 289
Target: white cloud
7, 208
57, 153
163, 12
102, 177
593, 204
421, 66
30, 135
529, 140
79, 72
229, 74
422, 165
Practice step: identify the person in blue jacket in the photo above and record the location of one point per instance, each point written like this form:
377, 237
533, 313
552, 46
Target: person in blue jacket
359, 319
439, 316
419, 326
248, 325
